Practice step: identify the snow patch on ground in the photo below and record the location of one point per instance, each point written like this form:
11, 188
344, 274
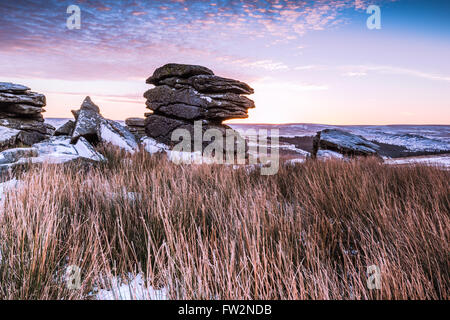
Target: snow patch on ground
186, 157
152, 146
133, 288
85, 150
439, 161
293, 148
109, 136
7, 134
58, 150
294, 161
328, 154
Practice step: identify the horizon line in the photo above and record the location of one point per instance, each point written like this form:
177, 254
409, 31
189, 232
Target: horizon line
307, 123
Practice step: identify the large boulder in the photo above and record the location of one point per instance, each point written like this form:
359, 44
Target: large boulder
32, 98
343, 142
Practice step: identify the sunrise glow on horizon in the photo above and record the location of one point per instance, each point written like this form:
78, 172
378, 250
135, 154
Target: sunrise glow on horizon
308, 61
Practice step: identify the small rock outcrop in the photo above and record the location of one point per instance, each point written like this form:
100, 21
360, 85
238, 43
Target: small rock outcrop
184, 94
92, 126
344, 143
21, 110
136, 126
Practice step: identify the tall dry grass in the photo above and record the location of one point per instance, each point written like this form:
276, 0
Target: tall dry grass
211, 232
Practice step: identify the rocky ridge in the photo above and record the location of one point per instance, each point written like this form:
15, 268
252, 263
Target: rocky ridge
72, 141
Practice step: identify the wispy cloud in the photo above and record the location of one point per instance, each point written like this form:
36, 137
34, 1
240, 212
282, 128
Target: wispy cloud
267, 65
269, 83
363, 70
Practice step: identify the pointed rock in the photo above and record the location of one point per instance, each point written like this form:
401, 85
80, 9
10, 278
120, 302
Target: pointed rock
86, 125
91, 125
89, 105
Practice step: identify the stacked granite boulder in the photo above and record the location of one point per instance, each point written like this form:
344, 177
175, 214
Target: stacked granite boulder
184, 94
21, 110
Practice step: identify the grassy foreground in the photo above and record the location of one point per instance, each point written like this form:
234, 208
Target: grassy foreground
211, 232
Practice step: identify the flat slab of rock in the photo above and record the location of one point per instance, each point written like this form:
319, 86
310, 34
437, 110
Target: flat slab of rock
12, 87
209, 84
177, 70
33, 98
135, 122
22, 109
344, 143
152, 146
32, 125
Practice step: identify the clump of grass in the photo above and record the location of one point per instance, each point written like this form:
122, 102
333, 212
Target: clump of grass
211, 232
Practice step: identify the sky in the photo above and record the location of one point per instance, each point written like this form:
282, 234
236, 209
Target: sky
308, 61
